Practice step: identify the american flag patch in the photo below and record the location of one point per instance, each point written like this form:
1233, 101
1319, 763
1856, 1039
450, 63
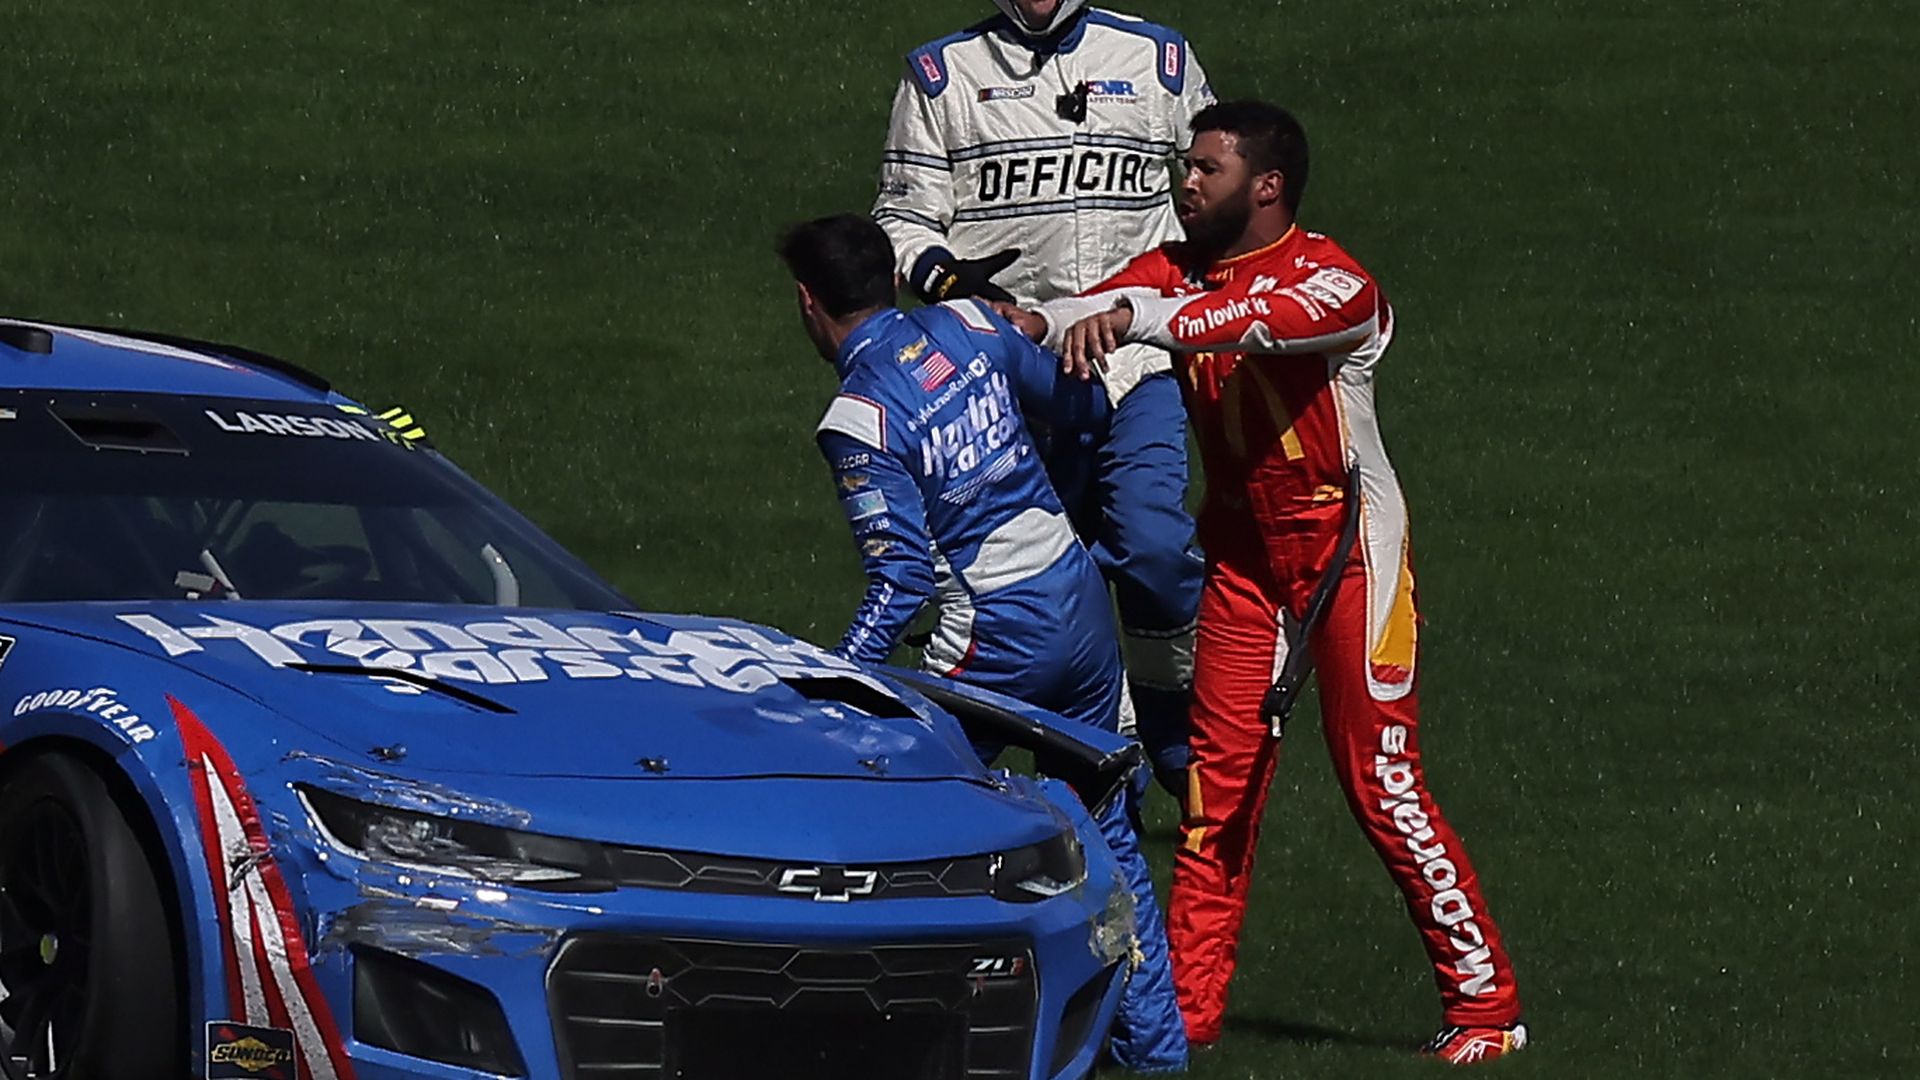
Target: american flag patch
934, 371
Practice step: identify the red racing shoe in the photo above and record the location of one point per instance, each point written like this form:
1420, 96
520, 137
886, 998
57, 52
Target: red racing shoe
1472, 1045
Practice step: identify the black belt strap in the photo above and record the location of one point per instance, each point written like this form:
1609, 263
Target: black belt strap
1278, 704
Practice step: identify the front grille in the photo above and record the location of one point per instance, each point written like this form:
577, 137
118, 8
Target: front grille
721, 1010
966, 876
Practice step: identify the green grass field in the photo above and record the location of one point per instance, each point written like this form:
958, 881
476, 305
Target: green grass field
1651, 397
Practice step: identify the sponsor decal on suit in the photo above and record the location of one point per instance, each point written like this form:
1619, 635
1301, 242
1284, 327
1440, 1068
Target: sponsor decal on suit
865, 504
1449, 906
989, 424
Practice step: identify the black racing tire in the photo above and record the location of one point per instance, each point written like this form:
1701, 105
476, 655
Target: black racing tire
86, 949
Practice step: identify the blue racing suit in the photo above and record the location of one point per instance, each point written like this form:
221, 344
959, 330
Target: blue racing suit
949, 503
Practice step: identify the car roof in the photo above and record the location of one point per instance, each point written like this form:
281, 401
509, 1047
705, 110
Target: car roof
38, 355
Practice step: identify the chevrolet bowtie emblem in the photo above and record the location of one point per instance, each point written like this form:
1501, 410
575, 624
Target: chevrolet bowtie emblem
836, 884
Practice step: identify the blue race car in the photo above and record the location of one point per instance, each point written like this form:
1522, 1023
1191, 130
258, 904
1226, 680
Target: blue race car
318, 762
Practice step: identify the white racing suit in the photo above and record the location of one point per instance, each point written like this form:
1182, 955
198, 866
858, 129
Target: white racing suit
980, 158
1063, 148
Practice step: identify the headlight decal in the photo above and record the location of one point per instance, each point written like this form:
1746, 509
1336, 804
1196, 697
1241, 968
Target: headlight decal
1041, 871
408, 793
452, 847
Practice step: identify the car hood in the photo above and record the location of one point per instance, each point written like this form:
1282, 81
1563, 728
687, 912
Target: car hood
519, 692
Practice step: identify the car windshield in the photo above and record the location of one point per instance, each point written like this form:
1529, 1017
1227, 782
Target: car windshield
153, 497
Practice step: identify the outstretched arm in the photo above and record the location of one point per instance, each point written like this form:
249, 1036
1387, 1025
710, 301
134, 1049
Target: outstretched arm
1330, 310
1146, 276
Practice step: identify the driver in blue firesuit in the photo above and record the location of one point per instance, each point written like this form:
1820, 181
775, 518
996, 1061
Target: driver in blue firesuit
949, 504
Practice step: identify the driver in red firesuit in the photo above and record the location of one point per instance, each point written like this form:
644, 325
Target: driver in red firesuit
1277, 332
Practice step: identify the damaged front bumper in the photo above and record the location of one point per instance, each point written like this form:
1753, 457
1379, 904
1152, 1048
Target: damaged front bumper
449, 975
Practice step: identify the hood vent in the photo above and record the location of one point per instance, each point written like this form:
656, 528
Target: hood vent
111, 428
28, 339
856, 693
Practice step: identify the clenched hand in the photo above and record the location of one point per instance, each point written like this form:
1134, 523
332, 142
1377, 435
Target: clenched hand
955, 279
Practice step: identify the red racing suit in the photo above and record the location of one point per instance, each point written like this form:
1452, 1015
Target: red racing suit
1275, 351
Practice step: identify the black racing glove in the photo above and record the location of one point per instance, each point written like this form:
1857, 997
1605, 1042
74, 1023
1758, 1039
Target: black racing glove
944, 277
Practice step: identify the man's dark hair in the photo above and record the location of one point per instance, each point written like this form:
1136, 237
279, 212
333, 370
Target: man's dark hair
1269, 138
845, 261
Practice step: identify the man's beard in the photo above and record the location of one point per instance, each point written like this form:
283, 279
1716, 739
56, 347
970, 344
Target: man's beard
1220, 226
